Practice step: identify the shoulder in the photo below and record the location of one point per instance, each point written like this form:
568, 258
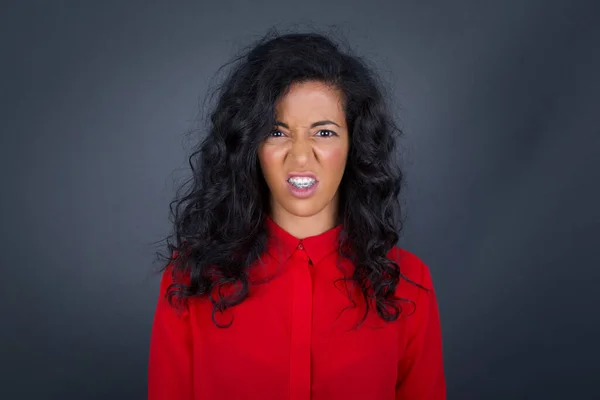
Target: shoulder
173, 273
412, 268
173, 276
415, 285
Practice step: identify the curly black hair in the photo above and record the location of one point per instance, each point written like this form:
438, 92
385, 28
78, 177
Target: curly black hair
219, 214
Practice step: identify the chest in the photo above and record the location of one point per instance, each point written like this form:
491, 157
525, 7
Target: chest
298, 334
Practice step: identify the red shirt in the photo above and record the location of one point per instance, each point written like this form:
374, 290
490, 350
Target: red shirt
287, 341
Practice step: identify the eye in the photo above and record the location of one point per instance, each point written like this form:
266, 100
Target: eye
276, 133
327, 133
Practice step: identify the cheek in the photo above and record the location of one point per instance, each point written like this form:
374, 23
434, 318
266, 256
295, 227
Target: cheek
336, 159
269, 161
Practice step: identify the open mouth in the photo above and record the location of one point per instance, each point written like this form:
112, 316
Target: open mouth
302, 187
304, 182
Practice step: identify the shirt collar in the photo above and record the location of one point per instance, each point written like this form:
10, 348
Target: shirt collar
282, 244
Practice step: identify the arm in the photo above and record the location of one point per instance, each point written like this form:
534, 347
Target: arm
421, 369
170, 360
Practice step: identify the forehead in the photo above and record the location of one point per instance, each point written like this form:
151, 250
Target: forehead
308, 101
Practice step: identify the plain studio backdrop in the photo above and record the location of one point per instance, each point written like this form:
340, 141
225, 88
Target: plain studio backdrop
500, 105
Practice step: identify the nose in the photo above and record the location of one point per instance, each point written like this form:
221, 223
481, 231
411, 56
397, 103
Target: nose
301, 151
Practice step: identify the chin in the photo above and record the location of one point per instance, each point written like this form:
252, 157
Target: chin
303, 208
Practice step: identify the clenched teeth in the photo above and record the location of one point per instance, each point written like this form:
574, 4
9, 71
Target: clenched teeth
302, 182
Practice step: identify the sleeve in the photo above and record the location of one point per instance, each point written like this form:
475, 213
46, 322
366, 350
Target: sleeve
421, 369
170, 359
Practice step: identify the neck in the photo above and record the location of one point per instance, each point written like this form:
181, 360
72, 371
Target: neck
305, 226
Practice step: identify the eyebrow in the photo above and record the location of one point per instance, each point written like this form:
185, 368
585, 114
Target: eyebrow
318, 123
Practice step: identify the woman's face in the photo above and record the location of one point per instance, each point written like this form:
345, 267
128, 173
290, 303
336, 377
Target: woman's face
310, 138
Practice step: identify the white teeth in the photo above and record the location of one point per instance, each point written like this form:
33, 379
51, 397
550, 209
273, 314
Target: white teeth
302, 182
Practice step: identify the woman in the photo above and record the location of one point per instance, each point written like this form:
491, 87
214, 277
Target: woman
285, 281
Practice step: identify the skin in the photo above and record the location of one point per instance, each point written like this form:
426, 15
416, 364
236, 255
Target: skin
295, 146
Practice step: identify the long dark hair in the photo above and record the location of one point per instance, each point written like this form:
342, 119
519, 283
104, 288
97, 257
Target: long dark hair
219, 214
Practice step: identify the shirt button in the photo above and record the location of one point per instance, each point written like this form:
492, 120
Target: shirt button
300, 246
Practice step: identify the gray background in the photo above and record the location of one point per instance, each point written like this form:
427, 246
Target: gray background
500, 104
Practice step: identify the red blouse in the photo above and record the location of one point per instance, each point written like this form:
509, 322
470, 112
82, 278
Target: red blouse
288, 339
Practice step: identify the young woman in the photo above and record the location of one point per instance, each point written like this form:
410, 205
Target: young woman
285, 280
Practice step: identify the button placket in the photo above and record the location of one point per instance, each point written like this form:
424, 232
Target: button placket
301, 252
302, 310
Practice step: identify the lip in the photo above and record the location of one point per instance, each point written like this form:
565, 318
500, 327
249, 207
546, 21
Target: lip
303, 174
302, 193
